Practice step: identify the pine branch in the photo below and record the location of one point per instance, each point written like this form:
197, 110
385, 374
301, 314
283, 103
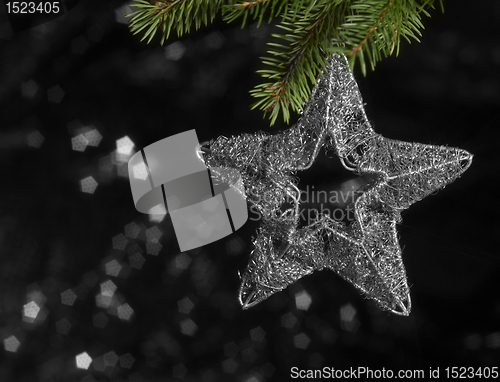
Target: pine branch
292, 71
365, 30
178, 15
358, 48
376, 27
257, 10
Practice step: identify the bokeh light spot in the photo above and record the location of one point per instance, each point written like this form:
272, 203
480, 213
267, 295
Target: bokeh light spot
229, 365
113, 268
249, 355
182, 261
110, 359
348, 319
153, 234
179, 371
257, 334
188, 327
136, 260
108, 288
185, 305
31, 310
11, 344
122, 12
288, 320
492, 340
93, 137
153, 248
35, 139
55, 94
88, 185
157, 213
98, 364
79, 143
235, 246
175, 51
253, 378
127, 360
63, 326
68, 297
125, 312
102, 301
140, 171
303, 300
83, 361
132, 230
124, 146
301, 341
119, 242
29, 89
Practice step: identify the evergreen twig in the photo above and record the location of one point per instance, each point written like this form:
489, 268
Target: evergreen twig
365, 30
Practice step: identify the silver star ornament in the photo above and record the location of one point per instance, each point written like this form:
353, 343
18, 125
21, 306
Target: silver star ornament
365, 251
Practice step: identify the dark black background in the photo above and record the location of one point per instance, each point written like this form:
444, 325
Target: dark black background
444, 91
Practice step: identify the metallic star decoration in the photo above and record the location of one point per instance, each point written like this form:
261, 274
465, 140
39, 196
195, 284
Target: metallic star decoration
365, 251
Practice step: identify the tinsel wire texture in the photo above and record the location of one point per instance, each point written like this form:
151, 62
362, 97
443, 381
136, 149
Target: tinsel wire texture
365, 252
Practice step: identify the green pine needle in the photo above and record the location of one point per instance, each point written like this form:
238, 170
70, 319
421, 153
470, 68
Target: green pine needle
366, 31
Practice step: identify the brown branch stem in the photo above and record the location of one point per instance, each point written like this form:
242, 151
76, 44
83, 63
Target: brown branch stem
249, 4
280, 89
372, 29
